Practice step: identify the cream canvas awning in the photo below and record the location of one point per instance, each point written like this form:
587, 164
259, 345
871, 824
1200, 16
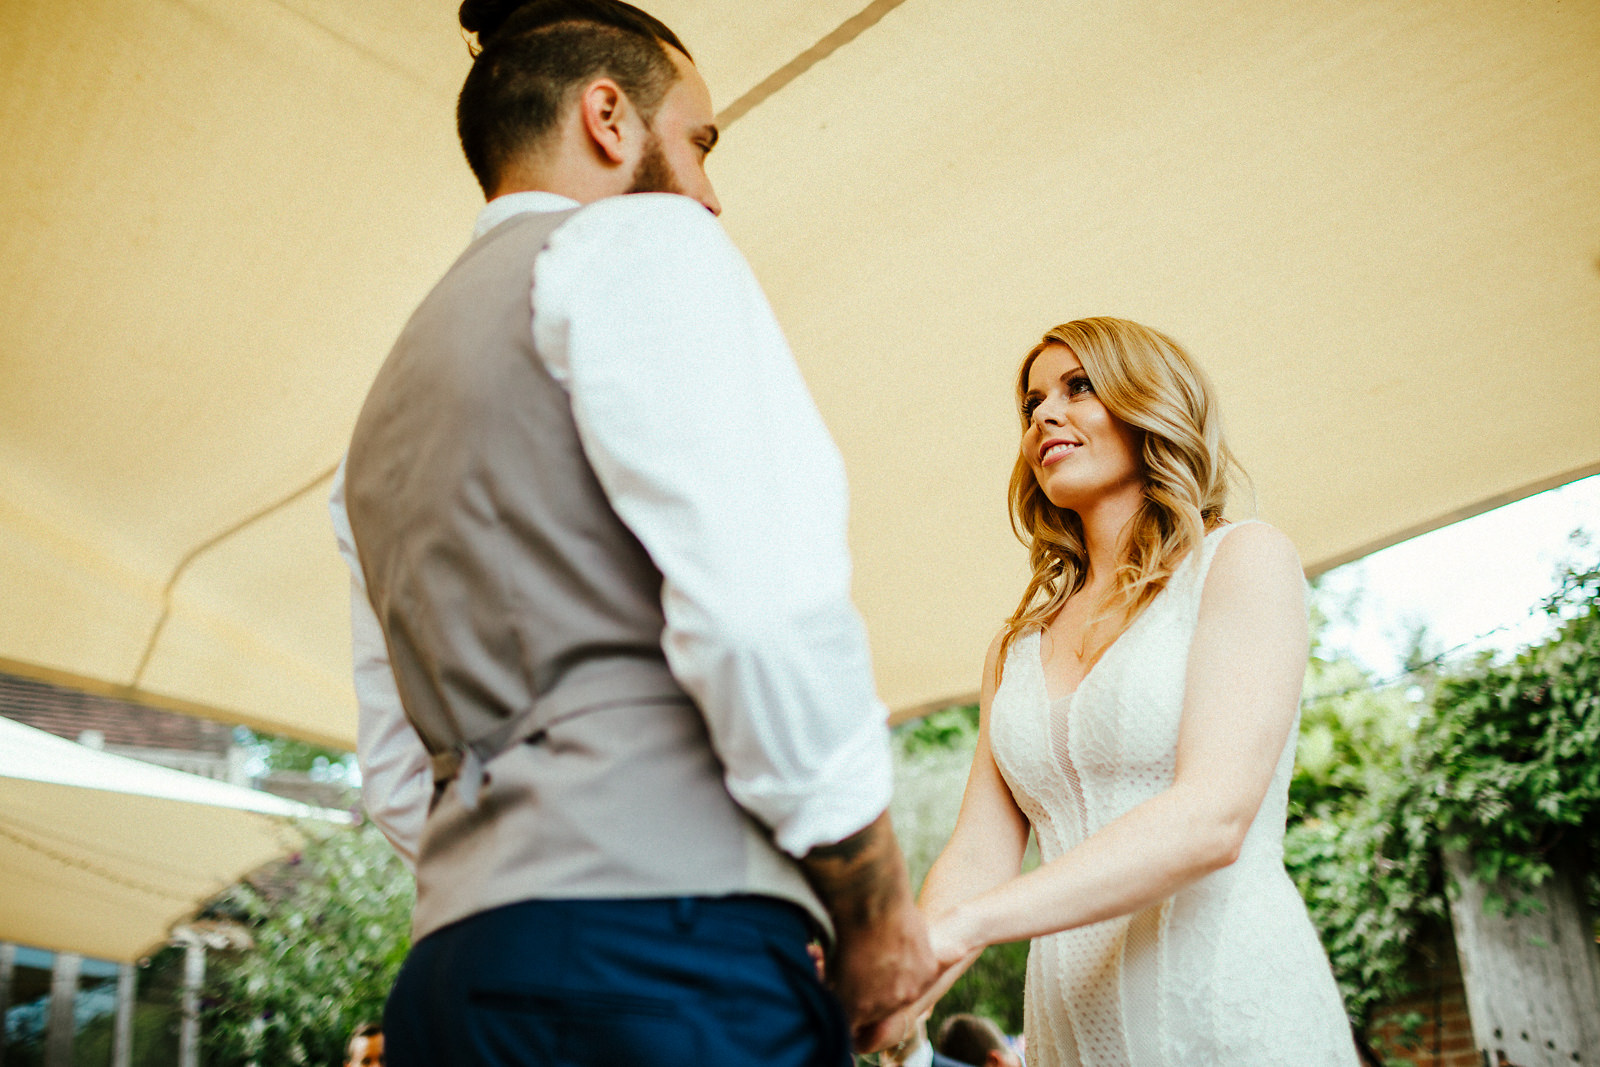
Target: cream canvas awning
1378, 225
102, 854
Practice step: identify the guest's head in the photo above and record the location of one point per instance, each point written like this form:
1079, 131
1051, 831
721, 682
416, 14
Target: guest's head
365, 1047
1115, 418
588, 98
974, 1040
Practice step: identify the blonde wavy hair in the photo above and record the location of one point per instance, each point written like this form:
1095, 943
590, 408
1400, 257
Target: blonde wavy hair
1147, 380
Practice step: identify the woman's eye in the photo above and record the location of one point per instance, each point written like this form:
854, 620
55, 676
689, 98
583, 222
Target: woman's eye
1028, 406
1079, 385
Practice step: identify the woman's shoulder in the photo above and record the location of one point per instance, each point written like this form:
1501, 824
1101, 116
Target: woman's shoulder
1252, 536
1253, 555
991, 658
1001, 649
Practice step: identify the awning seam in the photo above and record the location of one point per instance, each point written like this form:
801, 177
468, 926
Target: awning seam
205, 546
843, 34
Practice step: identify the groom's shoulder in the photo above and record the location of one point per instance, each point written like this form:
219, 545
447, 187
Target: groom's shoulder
659, 240
645, 216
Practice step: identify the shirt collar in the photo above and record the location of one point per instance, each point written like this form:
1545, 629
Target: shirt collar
502, 208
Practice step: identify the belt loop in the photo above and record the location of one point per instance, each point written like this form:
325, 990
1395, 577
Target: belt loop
683, 912
471, 779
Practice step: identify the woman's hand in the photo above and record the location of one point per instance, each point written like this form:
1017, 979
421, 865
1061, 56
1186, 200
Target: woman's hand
896, 1037
952, 939
899, 1036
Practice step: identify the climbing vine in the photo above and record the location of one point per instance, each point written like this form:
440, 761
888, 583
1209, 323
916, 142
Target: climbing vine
1495, 757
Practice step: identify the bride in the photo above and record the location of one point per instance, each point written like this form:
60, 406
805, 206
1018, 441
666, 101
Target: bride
1138, 715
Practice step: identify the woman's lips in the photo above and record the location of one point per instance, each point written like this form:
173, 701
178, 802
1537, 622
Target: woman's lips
1055, 451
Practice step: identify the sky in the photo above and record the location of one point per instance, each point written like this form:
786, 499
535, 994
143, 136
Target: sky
1464, 580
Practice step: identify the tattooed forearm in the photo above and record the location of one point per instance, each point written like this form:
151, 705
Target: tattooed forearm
882, 960
860, 877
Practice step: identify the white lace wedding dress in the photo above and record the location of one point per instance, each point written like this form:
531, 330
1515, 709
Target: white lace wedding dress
1227, 972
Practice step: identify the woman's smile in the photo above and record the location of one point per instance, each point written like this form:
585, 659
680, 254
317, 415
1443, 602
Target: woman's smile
1055, 449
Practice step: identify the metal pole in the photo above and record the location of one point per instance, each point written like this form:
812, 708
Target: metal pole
122, 1036
8, 967
63, 1019
194, 975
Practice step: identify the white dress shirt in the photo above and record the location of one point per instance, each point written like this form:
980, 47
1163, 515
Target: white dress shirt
700, 429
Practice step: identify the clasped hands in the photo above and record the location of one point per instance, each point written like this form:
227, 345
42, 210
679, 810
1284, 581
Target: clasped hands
888, 976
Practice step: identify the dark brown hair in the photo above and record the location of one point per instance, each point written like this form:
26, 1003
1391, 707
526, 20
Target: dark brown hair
969, 1038
532, 55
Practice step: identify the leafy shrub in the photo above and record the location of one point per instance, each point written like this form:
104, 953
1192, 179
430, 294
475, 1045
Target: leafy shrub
1498, 761
331, 928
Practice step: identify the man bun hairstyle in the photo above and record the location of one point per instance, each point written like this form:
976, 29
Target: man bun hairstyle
532, 55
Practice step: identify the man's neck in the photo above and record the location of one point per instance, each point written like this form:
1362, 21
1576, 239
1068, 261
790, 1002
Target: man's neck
583, 184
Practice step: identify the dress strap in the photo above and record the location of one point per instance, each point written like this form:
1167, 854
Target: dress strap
1208, 551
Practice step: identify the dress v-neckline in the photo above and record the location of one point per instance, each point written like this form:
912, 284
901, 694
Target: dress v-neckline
1038, 652
1066, 698
1038, 643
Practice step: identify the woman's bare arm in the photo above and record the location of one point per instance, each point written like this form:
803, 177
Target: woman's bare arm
986, 847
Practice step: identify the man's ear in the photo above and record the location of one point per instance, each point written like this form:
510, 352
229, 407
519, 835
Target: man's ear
604, 108
995, 1058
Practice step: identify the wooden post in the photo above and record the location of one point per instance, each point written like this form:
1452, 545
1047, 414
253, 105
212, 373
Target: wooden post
1533, 981
63, 1024
194, 975
122, 1035
8, 969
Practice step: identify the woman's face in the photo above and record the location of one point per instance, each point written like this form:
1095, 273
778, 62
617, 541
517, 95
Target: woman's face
1080, 453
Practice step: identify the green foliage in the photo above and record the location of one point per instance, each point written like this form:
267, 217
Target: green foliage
1364, 880
932, 756
943, 731
330, 930
277, 753
155, 1038
1505, 762
1370, 887
992, 987
1497, 756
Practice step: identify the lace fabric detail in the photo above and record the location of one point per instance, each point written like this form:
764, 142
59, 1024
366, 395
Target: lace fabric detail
1229, 970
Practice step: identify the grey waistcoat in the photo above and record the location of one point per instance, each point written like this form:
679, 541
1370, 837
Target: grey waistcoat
523, 622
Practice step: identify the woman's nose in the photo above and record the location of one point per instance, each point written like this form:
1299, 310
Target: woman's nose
1048, 413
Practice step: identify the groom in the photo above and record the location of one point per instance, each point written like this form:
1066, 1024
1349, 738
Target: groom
599, 558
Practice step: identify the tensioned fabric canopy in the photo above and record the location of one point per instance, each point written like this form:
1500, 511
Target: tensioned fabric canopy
1377, 224
101, 854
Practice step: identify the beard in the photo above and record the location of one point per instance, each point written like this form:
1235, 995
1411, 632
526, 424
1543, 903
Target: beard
653, 174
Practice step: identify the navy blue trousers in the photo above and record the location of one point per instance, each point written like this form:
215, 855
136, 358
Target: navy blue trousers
684, 982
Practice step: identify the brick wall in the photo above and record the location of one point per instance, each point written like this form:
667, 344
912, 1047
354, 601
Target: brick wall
1445, 1037
68, 713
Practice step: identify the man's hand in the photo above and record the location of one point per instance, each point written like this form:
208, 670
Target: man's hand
953, 953
909, 1035
882, 961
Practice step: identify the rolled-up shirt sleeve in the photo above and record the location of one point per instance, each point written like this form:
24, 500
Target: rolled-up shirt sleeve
396, 782
702, 432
